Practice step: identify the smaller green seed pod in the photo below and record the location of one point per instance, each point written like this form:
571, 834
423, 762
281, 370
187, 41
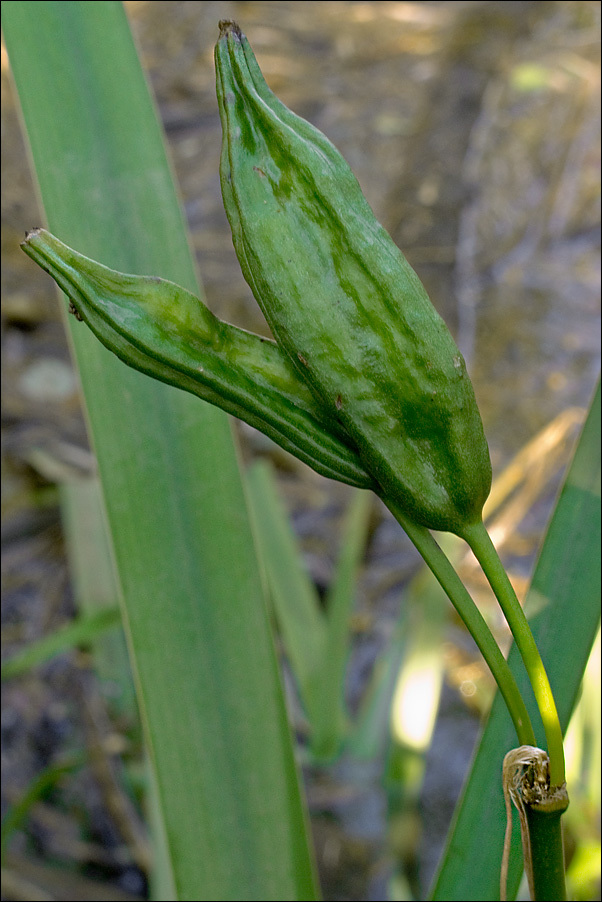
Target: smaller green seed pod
162, 330
344, 304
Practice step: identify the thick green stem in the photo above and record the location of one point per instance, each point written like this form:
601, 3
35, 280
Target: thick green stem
457, 593
484, 550
547, 855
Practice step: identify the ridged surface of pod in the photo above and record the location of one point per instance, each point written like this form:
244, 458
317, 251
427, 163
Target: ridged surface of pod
162, 330
344, 304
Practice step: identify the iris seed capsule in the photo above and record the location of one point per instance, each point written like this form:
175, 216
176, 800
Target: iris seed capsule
345, 305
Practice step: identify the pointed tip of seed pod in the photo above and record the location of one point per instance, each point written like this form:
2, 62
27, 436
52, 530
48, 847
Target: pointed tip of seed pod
31, 233
227, 27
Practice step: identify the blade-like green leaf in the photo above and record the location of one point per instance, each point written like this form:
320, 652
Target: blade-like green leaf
209, 689
400, 705
328, 686
95, 585
565, 601
38, 787
81, 631
293, 595
317, 643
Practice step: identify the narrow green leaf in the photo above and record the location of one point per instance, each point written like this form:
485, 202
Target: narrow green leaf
95, 584
209, 688
317, 643
411, 663
370, 733
416, 697
565, 603
37, 789
294, 597
80, 632
328, 685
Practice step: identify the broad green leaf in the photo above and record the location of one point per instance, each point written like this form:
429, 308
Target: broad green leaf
565, 602
209, 688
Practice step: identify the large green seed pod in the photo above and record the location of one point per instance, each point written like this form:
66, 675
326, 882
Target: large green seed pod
344, 304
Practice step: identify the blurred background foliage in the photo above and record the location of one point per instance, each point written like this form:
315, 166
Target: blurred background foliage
473, 128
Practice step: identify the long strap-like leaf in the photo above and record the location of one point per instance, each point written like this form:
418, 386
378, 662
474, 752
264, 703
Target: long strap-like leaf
565, 592
193, 605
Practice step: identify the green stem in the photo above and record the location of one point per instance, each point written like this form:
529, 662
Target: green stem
457, 593
484, 550
547, 855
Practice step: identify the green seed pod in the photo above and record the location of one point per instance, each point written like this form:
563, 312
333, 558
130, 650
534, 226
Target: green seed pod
163, 330
344, 304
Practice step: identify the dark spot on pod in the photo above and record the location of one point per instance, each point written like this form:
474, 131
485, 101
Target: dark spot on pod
75, 312
302, 359
258, 170
338, 402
